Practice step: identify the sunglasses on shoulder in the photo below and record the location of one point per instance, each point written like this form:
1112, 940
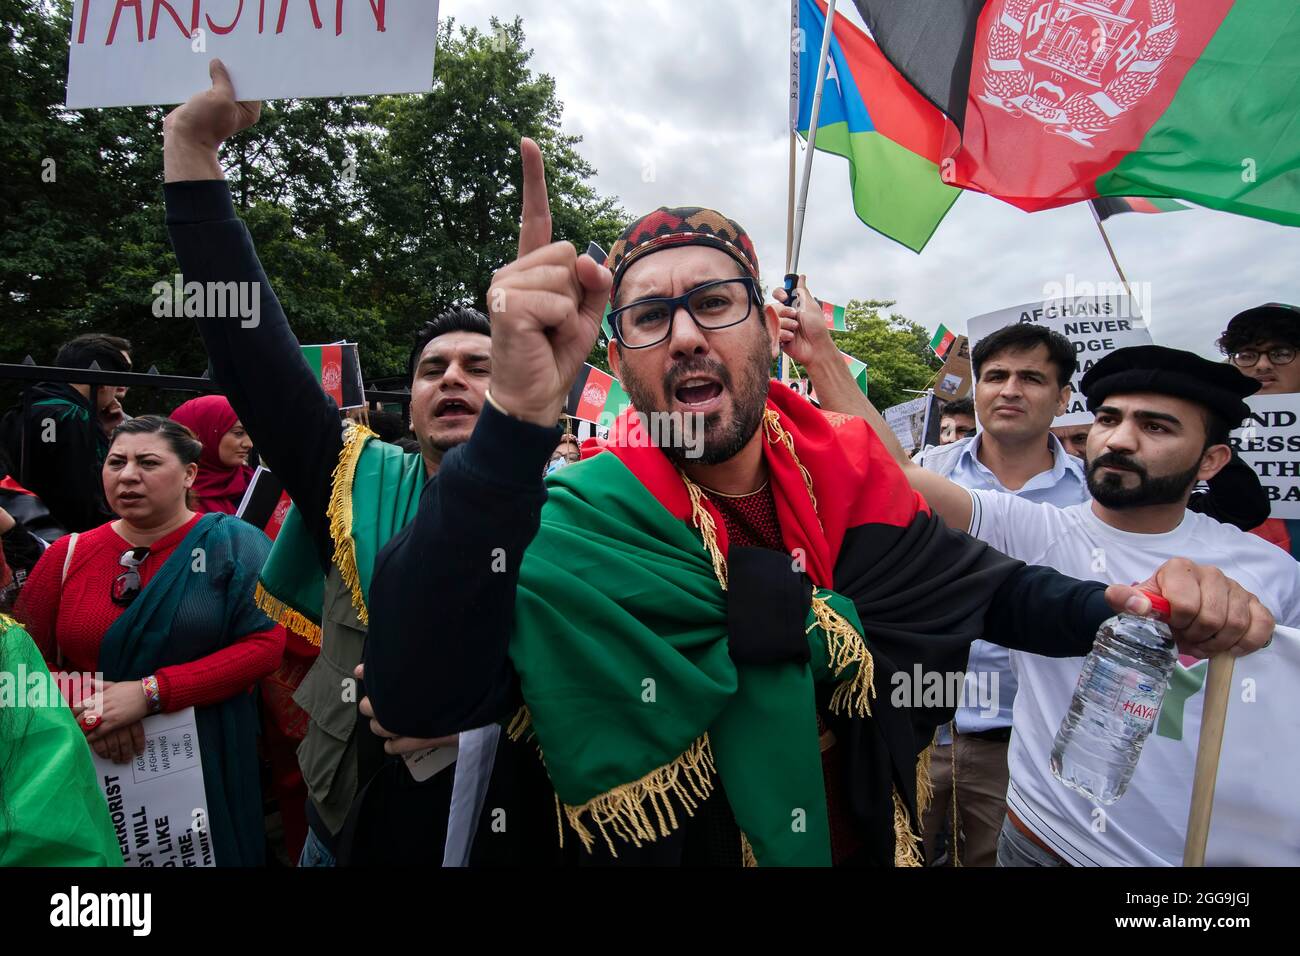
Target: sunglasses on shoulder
126, 586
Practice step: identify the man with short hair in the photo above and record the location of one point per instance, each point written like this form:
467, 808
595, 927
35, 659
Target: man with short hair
957, 421
1073, 438
703, 635
59, 443
1162, 423
1022, 382
350, 495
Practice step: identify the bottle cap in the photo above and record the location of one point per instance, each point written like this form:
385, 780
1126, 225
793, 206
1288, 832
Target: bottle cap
1159, 605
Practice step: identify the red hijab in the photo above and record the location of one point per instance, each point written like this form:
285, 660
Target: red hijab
218, 487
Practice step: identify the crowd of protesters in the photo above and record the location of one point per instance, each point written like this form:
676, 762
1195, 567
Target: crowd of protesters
471, 579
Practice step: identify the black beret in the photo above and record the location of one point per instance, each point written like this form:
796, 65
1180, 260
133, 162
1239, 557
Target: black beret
1154, 368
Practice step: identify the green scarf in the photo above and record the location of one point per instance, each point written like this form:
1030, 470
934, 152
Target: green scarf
621, 648
375, 493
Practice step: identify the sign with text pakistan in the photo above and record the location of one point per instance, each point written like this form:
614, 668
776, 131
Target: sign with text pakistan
1096, 325
150, 52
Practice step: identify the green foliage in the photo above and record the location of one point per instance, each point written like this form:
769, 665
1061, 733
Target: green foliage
370, 215
896, 350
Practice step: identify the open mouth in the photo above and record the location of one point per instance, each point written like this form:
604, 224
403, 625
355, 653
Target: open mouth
129, 498
453, 408
696, 391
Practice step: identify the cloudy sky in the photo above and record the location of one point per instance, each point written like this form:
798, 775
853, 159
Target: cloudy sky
684, 102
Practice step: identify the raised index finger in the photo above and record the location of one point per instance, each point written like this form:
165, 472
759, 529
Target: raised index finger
535, 226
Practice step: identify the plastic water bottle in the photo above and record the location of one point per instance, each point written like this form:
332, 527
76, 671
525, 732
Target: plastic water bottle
1115, 704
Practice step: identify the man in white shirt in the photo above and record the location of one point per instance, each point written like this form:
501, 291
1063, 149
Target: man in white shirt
1162, 422
1022, 383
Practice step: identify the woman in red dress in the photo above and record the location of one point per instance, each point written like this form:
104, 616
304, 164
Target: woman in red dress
160, 602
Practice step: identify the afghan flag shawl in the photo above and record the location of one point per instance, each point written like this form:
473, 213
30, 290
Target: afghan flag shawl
621, 632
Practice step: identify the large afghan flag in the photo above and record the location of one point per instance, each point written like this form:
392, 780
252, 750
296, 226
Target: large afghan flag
872, 117
1056, 101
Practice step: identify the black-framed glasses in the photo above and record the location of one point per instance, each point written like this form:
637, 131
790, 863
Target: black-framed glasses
714, 305
126, 586
1278, 355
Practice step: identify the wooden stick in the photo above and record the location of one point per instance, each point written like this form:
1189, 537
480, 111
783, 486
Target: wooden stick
1218, 686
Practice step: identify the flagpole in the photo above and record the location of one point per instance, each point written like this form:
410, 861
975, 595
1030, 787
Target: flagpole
801, 208
1111, 249
783, 369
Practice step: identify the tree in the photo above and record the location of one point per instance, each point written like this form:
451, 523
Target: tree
896, 350
370, 215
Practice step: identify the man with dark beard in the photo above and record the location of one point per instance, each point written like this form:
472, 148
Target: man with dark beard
702, 647
1162, 423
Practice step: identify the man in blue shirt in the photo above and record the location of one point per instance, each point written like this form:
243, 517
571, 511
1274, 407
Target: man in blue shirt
1022, 382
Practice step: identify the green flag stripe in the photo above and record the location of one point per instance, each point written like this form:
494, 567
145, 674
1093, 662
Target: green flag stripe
1230, 139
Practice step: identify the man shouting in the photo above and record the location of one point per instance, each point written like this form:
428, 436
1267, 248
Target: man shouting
699, 644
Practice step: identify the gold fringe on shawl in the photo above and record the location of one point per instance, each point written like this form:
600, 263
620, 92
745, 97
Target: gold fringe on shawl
747, 852
703, 521
907, 845
845, 646
626, 810
775, 432
520, 724
286, 616
339, 514
924, 785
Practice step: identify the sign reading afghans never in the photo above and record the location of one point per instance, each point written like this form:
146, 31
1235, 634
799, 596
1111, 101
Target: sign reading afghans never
1269, 441
153, 52
1096, 325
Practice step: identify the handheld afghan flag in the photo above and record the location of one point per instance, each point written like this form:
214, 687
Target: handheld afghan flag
1109, 206
942, 341
338, 369
834, 316
596, 396
1056, 101
857, 369
265, 504
892, 140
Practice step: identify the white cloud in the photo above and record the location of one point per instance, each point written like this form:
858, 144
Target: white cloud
698, 88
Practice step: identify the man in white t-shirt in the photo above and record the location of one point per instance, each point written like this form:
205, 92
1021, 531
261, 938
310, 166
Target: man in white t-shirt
1162, 422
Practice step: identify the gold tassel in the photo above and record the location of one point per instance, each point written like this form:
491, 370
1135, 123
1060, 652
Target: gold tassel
747, 852
845, 646
339, 513
286, 616
702, 520
520, 724
924, 785
907, 846
777, 433
625, 810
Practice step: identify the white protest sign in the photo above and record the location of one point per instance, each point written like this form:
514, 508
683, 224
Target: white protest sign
1096, 325
157, 801
910, 422
149, 52
1269, 441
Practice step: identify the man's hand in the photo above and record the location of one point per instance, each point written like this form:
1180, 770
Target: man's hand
546, 308
394, 743
804, 335
1209, 612
7, 522
195, 130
